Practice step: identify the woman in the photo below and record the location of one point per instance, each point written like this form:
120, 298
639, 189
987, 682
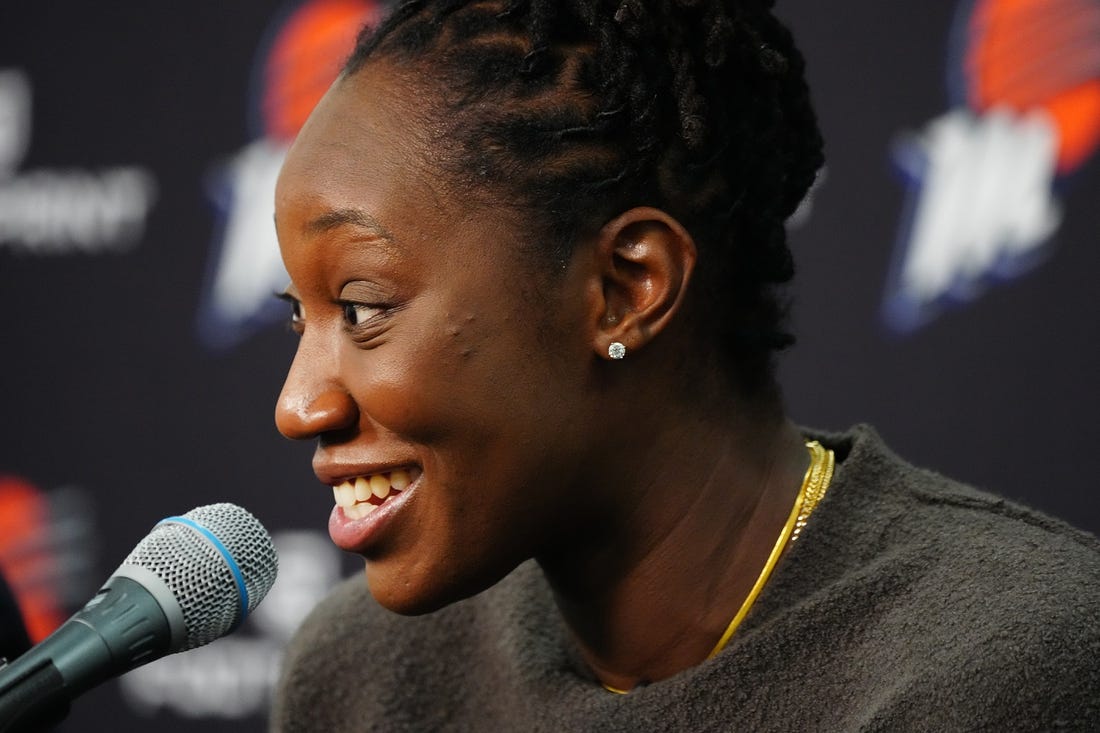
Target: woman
534, 249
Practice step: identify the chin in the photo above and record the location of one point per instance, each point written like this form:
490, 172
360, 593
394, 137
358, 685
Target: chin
402, 593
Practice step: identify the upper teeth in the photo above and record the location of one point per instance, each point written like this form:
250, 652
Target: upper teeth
365, 492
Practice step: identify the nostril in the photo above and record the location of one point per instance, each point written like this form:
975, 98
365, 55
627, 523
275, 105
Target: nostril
302, 417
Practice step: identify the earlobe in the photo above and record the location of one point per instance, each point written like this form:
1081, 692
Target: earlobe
645, 261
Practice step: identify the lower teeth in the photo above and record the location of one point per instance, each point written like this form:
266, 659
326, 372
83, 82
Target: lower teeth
359, 510
363, 508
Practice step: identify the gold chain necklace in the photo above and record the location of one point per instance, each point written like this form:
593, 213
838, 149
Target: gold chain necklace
814, 485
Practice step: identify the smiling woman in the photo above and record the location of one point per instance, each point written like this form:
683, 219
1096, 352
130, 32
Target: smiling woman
534, 251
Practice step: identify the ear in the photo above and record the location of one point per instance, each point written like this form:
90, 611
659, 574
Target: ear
645, 259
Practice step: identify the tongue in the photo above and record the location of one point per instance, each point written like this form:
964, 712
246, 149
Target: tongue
379, 502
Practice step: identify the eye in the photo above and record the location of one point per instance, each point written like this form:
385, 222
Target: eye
356, 314
297, 311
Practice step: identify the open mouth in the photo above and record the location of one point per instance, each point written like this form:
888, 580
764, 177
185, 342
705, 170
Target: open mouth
360, 496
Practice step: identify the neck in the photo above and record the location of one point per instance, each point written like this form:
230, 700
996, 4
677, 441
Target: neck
650, 590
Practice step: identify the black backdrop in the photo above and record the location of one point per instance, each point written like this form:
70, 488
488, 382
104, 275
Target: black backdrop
129, 391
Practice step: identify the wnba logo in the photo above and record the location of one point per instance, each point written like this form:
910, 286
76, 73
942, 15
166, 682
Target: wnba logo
1025, 84
294, 68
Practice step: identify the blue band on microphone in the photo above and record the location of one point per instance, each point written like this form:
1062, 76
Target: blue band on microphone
242, 591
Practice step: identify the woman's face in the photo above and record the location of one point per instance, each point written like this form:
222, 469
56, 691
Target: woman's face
430, 354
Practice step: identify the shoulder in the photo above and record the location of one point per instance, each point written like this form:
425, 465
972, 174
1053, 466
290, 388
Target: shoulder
880, 498
969, 550
983, 610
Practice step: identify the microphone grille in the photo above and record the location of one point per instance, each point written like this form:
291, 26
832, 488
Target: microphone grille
216, 587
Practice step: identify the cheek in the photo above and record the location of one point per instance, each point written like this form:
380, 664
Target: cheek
426, 385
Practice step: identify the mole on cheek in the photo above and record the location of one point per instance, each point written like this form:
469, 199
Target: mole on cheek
455, 345
461, 342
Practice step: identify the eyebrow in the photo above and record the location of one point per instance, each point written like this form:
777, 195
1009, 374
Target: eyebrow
348, 217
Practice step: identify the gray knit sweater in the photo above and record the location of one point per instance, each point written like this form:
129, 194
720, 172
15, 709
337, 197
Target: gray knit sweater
910, 603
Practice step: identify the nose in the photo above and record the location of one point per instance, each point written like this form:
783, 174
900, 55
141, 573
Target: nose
313, 401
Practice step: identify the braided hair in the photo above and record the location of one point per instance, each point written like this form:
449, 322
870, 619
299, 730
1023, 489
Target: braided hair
576, 110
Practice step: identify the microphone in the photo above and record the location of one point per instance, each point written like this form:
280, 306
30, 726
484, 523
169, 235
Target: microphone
191, 580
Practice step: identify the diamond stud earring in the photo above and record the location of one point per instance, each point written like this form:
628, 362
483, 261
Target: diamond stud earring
616, 350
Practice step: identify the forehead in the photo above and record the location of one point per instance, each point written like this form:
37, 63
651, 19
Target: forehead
356, 141
364, 162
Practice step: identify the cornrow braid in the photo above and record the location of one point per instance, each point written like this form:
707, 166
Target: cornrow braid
576, 110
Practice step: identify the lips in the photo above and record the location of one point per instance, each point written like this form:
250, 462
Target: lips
366, 503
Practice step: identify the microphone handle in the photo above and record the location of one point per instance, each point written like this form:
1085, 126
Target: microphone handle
122, 627
36, 702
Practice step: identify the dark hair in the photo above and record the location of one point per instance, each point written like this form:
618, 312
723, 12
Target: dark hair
577, 110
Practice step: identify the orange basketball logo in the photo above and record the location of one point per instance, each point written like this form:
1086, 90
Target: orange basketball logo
25, 555
1039, 54
305, 58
